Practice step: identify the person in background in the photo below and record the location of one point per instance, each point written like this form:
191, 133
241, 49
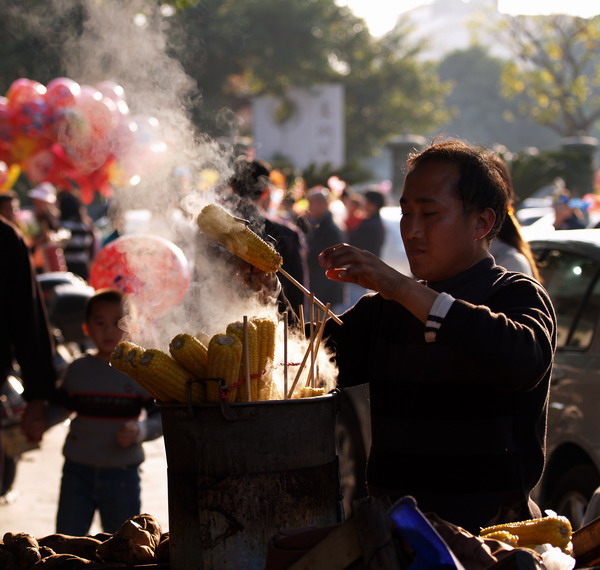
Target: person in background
9, 206
354, 211
47, 218
509, 249
113, 415
250, 185
566, 215
458, 360
369, 235
321, 232
24, 332
79, 250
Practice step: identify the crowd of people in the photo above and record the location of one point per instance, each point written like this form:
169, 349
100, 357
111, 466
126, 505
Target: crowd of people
460, 347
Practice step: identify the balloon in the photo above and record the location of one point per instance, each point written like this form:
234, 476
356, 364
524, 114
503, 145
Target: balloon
61, 92
111, 90
23, 90
152, 270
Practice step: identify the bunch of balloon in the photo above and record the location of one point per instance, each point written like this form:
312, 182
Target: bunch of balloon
69, 134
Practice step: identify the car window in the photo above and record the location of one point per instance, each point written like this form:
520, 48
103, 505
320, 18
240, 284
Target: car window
571, 281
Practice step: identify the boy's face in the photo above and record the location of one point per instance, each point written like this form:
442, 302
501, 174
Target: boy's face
440, 239
102, 327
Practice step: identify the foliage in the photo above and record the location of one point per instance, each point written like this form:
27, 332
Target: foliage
480, 113
556, 69
532, 171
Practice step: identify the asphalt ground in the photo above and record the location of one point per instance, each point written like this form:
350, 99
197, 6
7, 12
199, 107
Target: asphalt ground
31, 504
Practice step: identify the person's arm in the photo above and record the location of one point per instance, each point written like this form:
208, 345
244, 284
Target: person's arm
138, 431
351, 265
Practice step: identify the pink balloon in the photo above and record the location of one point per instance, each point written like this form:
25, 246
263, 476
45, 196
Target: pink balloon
61, 92
152, 270
112, 90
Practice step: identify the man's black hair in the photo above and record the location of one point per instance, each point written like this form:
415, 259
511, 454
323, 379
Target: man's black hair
250, 178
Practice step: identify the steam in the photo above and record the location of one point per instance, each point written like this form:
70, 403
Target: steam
124, 45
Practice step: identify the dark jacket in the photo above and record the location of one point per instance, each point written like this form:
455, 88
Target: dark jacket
24, 331
458, 423
369, 235
321, 235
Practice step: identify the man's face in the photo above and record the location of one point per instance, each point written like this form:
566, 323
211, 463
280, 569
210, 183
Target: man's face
440, 239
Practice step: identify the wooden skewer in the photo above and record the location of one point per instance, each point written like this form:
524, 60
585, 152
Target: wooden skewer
247, 358
306, 355
285, 355
311, 380
312, 334
308, 293
302, 319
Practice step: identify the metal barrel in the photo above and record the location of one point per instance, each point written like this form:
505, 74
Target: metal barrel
238, 473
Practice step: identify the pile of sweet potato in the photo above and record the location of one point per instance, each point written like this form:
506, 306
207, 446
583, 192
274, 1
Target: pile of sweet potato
139, 540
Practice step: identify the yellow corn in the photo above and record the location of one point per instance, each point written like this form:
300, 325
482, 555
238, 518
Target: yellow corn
504, 536
167, 376
190, 353
237, 330
308, 392
266, 329
554, 530
224, 358
237, 238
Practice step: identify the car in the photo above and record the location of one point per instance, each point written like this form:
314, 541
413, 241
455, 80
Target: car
569, 264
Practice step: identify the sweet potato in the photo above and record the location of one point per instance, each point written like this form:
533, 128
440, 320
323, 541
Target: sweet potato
82, 546
23, 547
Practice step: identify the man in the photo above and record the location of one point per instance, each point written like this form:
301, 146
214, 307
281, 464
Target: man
24, 331
321, 232
459, 362
250, 184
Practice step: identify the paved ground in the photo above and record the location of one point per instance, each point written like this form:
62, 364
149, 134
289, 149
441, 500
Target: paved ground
31, 507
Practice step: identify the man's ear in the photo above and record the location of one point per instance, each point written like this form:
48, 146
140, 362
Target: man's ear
85, 329
484, 223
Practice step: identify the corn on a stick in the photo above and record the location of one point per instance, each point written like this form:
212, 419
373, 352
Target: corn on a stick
238, 238
265, 329
248, 366
167, 376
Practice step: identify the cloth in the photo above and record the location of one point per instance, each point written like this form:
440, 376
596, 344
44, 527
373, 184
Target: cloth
369, 235
459, 423
114, 493
320, 235
24, 329
510, 257
104, 399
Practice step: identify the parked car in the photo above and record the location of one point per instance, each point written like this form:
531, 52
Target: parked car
569, 263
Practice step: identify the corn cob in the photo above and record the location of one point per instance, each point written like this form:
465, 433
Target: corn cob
224, 358
167, 376
237, 330
237, 238
125, 358
308, 392
554, 530
266, 353
190, 353
504, 536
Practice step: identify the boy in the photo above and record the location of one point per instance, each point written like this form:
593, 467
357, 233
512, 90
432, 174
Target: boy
103, 450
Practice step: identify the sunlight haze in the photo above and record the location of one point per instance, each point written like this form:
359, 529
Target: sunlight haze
381, 15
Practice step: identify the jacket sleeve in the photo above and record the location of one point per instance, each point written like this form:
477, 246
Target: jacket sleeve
513, 337
151, 426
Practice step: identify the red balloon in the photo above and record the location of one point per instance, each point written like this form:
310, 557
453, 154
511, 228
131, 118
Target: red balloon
23, 90
152, 270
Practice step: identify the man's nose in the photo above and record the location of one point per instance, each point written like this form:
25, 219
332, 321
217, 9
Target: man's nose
412, 226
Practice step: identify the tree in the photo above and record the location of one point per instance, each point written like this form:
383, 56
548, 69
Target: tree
480, 113
236, 50
557, 68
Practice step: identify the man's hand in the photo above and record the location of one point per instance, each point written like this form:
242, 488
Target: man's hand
349, 264
127, 434
35, 420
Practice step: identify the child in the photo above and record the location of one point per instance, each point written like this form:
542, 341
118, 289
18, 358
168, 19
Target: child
103, 450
